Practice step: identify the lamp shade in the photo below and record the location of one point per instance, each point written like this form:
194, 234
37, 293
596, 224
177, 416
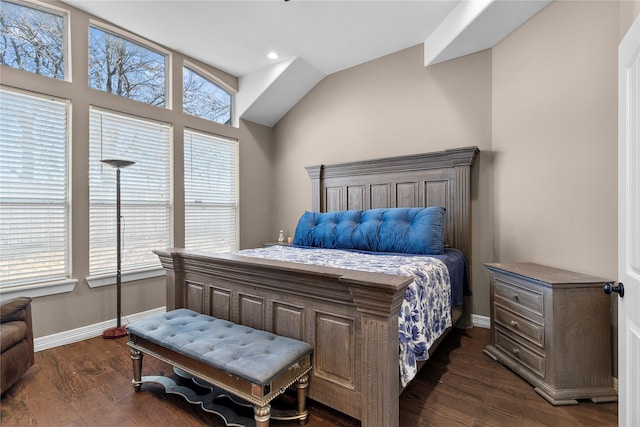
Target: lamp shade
118, 163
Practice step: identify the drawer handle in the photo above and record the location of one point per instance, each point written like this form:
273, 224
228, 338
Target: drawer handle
516, 297
514, 324
516, 351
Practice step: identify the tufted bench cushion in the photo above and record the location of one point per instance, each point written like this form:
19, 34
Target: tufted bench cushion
254, 355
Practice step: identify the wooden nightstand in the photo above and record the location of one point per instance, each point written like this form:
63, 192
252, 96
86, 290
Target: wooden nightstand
552, 327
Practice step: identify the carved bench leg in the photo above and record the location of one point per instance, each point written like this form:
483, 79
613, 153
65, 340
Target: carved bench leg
262, 414
301, 386
136, 358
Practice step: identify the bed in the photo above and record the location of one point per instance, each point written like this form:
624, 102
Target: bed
349, 316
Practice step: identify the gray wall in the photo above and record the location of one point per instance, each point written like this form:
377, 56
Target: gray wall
541, 106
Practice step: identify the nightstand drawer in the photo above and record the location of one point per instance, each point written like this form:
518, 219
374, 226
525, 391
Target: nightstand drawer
519, 352
519, 296
532, 331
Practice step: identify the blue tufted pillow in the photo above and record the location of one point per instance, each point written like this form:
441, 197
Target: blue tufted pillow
402, 230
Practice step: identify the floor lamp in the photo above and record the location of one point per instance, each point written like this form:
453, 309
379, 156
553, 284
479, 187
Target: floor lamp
118, 331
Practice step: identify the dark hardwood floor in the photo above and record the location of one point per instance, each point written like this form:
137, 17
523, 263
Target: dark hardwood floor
88, 384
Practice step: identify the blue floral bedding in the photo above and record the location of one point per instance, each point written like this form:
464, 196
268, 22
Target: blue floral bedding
426, 310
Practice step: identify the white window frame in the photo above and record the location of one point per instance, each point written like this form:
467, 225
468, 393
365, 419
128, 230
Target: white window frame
102, 278
34, 287
215, 80
168, 67
54, 10
210, 180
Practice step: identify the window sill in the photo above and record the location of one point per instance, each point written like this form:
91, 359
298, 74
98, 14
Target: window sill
38, 289
110, 279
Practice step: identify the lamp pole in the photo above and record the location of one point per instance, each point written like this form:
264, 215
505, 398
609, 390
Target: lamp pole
118, 331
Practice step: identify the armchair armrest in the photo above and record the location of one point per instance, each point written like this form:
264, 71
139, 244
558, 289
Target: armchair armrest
16, 309
16, 340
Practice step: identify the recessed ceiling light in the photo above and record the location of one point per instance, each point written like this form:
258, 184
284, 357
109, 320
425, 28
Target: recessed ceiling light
273, 55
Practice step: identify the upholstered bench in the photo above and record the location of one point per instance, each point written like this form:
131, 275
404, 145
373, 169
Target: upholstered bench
254, 365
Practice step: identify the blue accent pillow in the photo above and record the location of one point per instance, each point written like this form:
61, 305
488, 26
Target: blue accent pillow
401, 230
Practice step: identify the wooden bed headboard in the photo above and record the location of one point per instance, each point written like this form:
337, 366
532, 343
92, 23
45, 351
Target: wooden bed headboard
420, 180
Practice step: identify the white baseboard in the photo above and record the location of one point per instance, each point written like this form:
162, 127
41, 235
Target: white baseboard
95, 330
481, 321
89, 331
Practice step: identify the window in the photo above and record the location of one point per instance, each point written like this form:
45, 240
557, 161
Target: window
32, 39
204, 98
210, 192
145, 193
34, 189
123, 67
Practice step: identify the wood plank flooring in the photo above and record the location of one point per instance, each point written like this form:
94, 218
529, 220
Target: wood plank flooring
88, 384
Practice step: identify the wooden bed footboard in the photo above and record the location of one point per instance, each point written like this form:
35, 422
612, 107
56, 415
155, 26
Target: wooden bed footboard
350, 317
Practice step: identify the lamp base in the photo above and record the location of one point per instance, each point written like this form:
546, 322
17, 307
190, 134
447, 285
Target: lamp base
115, 332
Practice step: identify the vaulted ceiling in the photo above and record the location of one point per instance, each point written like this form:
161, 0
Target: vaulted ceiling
312, 38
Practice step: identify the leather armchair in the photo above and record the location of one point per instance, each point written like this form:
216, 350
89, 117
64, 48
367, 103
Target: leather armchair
16, 340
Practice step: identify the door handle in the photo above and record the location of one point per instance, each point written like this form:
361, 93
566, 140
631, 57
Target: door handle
610, 288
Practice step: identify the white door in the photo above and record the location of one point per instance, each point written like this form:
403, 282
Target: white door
629, 227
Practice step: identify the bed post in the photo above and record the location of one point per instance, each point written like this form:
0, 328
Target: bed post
379, 353
462, 160
315, 173
175, 279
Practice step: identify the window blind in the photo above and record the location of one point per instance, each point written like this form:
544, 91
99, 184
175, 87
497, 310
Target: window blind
211, 192
144, 187
34, 189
